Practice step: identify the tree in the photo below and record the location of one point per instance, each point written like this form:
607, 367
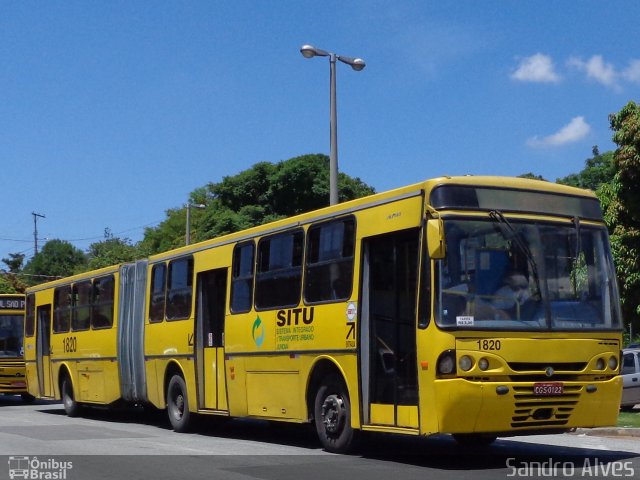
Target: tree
598, 170
167, 235
57, 258
6, 285
110, 251
14, 262
258, 195
10, 282
532, 176
621, 202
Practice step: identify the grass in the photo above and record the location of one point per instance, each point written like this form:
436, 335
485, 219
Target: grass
629, 419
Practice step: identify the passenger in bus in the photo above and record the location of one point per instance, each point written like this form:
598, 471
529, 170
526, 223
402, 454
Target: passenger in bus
512, 296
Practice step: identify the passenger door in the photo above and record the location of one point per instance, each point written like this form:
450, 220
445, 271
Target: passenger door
43, 350
209, 339
388, 329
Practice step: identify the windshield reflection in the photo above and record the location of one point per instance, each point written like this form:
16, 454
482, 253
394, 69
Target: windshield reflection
507, 275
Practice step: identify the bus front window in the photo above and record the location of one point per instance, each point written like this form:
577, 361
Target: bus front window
10, 336
510, 275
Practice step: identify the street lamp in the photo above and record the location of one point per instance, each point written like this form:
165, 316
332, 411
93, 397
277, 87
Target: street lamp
357, 64
189, 207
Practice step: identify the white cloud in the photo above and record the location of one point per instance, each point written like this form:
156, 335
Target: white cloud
536, 68
632, 72
597, 70
575, 130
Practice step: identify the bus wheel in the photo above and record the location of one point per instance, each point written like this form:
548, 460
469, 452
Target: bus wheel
474, 439
71, 407
27, 398
178, 405
332, 412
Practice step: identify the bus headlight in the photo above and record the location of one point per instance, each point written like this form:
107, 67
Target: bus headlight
447, 363
483, 364
465, 363
600, 364
613, 363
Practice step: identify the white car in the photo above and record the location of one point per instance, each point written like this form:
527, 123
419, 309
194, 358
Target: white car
630, 378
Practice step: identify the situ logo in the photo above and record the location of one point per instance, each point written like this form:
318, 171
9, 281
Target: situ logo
257, 332
37, 469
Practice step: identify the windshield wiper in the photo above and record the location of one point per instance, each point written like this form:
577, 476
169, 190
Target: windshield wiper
524, 248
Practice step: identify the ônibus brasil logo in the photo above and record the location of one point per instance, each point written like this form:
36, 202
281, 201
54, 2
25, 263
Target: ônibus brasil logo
34, 468
257, 332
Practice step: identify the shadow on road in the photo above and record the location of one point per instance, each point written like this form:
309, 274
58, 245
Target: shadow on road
438, 452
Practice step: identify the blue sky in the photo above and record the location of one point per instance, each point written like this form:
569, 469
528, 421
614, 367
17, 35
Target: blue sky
112, 112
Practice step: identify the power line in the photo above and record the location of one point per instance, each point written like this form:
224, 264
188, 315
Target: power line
14, 240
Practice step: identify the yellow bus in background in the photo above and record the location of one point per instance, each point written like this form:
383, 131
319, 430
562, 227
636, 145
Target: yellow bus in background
475, 306
12, 368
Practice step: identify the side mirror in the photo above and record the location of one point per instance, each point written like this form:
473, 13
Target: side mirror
435, 238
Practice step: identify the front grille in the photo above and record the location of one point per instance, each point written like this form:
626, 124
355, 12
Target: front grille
11, 362
531, 411
541, 367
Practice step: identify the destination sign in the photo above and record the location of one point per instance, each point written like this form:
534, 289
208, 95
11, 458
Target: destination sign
11, 303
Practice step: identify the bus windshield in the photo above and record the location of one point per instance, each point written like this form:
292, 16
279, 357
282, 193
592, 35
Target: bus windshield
501, 274
10, 336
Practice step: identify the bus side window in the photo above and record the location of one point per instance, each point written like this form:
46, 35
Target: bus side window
279, 270
81, 306
62, 309
30, 316
179, 289
329, 263
242, 278
156, 305
102, 303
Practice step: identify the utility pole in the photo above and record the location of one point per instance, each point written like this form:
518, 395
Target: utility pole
35, 230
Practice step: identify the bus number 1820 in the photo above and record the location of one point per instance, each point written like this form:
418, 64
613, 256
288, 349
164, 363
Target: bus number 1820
69, 344
488, 344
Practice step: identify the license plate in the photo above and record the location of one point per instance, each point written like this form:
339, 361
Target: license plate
547, 389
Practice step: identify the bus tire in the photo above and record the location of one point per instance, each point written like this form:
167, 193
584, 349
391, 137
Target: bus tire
474, 439
178, 405
332, 414
71, 407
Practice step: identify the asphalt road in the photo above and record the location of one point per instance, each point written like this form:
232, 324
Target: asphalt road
138, 444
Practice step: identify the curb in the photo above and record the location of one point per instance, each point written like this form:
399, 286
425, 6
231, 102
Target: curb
609, 432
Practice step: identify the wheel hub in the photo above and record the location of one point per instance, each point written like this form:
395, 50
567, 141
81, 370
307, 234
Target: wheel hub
333, 414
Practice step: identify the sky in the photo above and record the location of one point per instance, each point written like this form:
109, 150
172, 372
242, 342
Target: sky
112, 112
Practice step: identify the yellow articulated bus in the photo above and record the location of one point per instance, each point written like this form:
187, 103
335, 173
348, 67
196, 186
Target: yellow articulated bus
475, 306
12, 369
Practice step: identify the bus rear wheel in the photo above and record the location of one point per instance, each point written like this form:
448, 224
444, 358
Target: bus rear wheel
332, 412
71, 407
178, 405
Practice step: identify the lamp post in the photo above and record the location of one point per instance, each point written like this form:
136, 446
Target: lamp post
188, 232
357, 64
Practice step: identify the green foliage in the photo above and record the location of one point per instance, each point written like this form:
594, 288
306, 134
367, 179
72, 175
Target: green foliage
169, 234
57, 258
598, 170
532, 176
110, 251
629, 419
14, 262
621, 203
10, 282
6, 285
258, 195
